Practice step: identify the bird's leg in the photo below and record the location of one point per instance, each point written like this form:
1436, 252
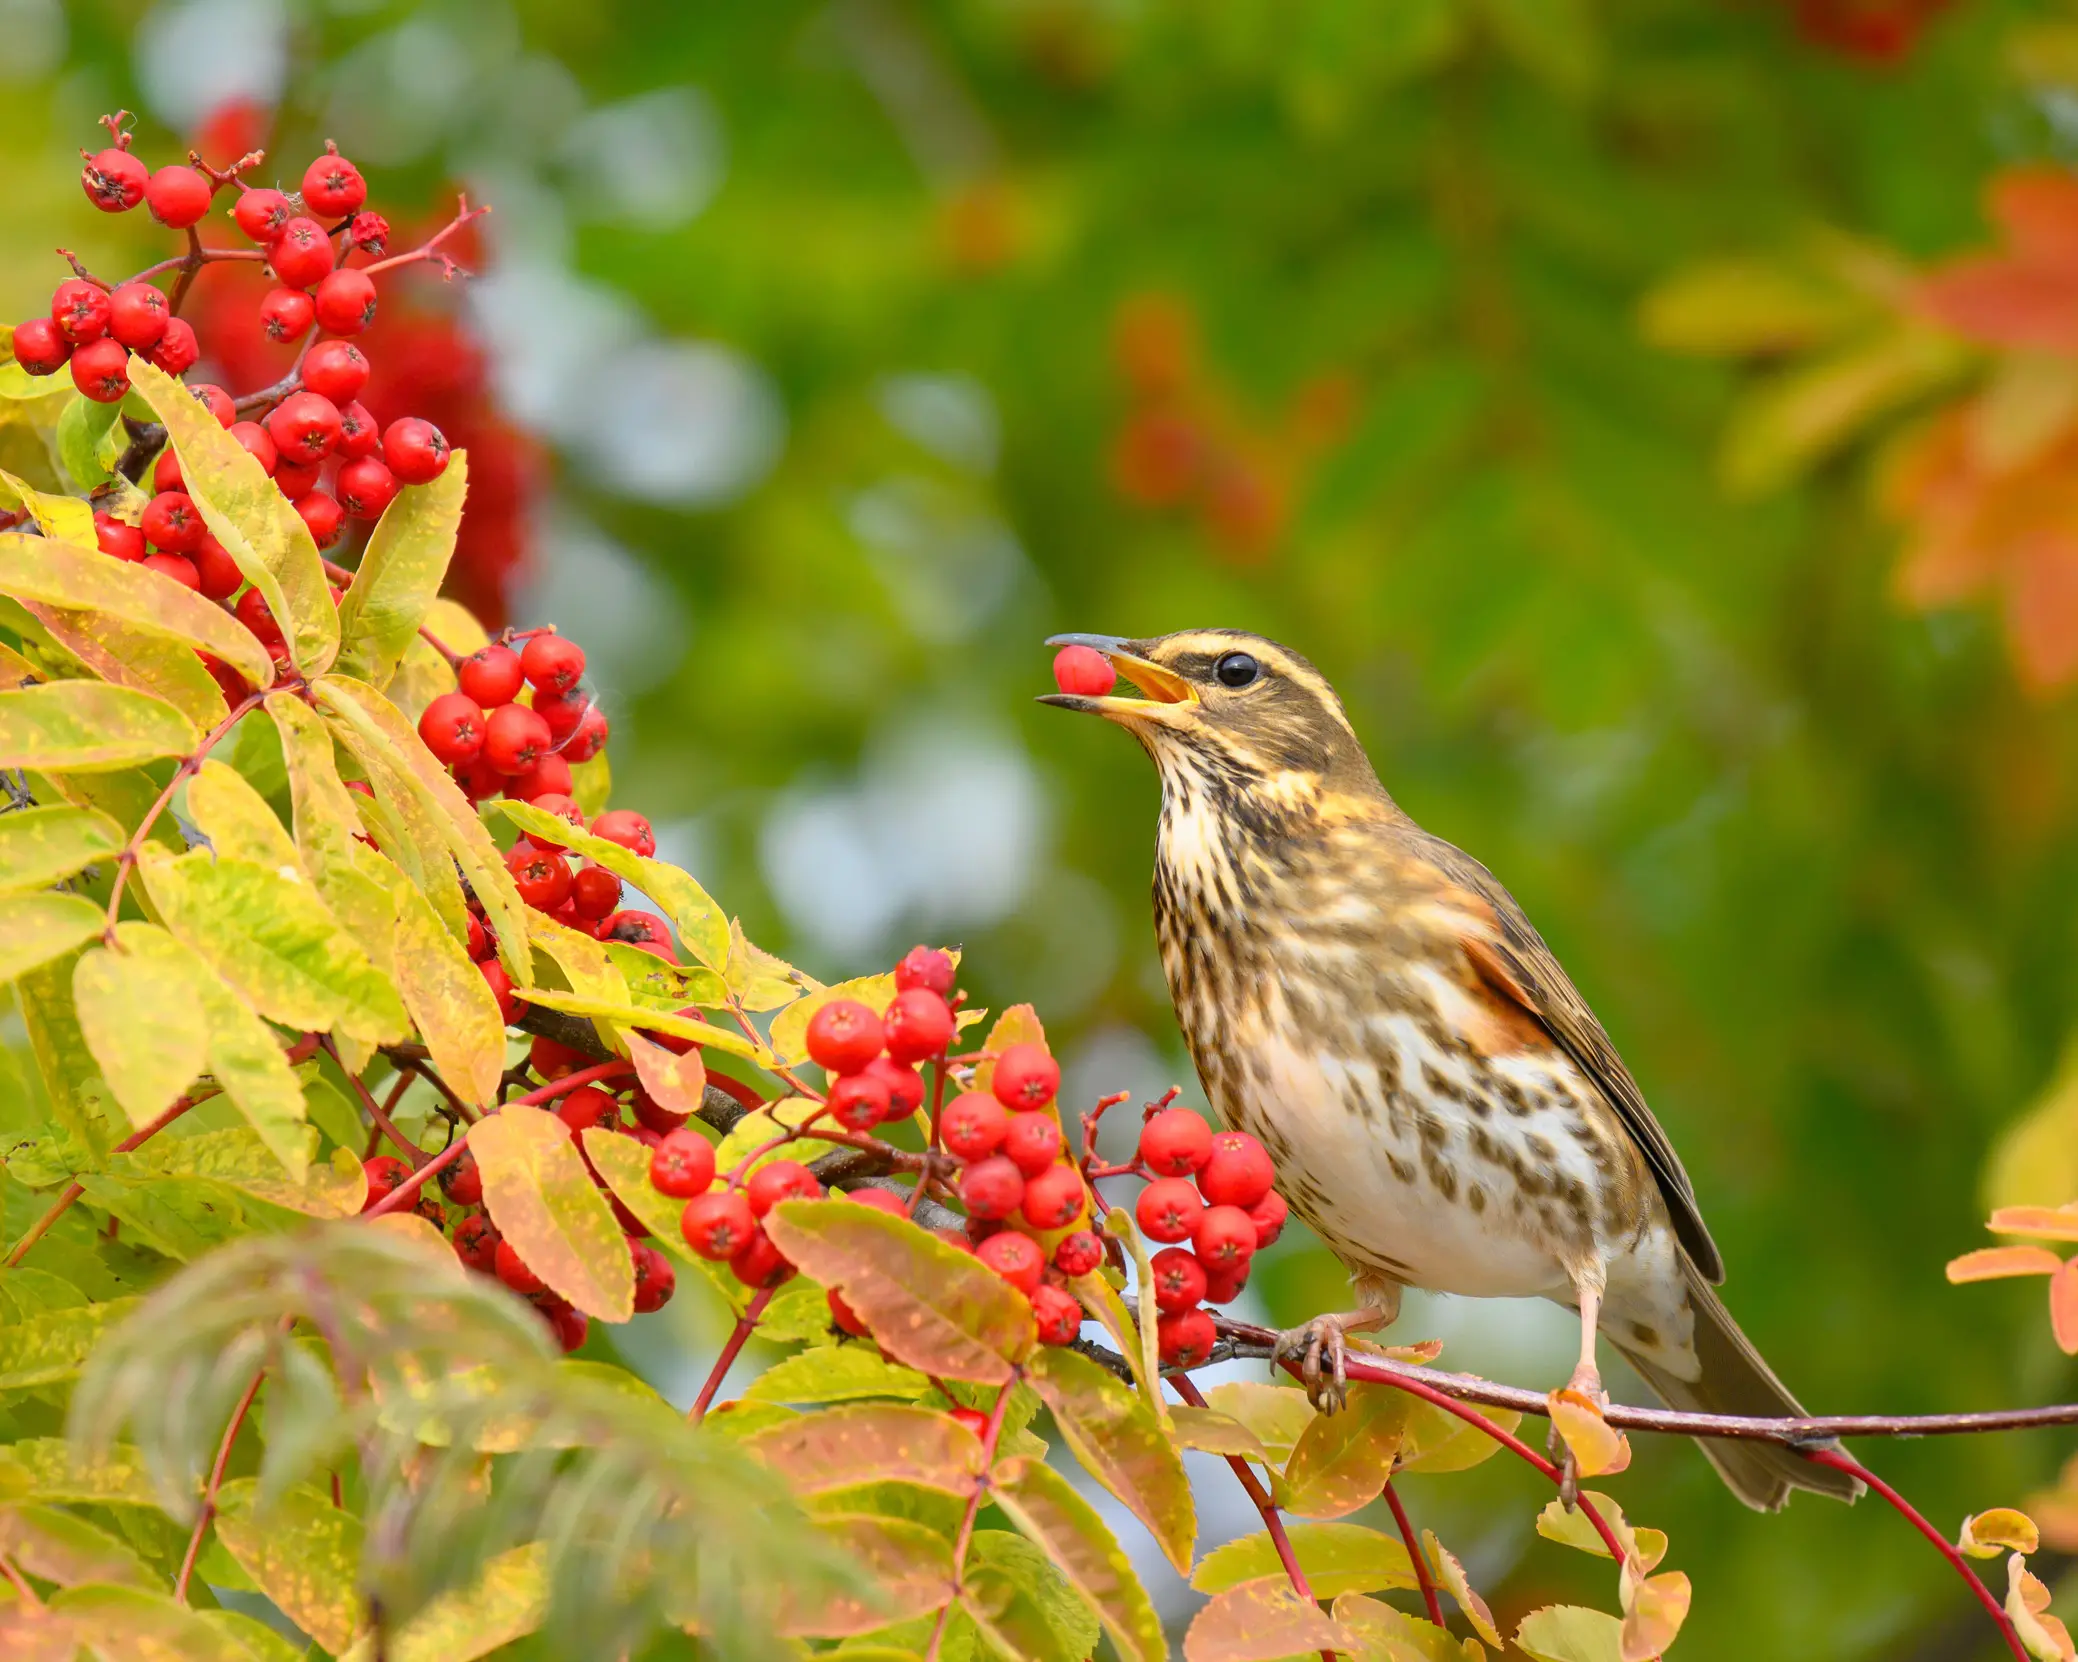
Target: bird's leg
1587, 1378
1321, 1339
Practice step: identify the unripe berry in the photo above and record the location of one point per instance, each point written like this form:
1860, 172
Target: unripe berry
1168, 1209
1033, 1142
1179, 1279
718, 1223
1268, 1215
365, 487
302, 254
595, 892
512, 1270
541, 875
335, 369
176, 566
513, 736
682, 1165
1224, 1240
586, 1107
973, 1125
858, 1102
452, 728
323, 515
919, 1025
215, 400
844, 1036
177, 349
358, 434
258, 444
303, 426
40, 346
415, 449
927, 967
125, 542
1083, 670
1057, 1315
1078, 1254
1053, 1198
346, 301
779, 1180
759, 1263
476, 1244
1016, 1258
114, 180
177, 196
655, 1279
287, 314
905, 1086
491, 676
629, 829
166, 475
1186, 1338
1175, 1143
216, 570
1026, 1076
333, 186
261, 214
501, 989
137, 315
553, 663
846, 1318
991, 1188
370, 233
172, 523
1239, 1172
384, 1173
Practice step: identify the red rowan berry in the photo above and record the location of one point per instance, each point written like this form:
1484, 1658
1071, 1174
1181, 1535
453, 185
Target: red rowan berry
551, 1059
925, 967
286, 314
462, 1182
646, 931
1078, 1254
384, 1173
1083, 670
561, 714
563, 809
513, 1271
216, 570
294, 479
586, 1107
333, 186
590, 737
114, 180
718, 1223
301, 254
177, 196
335, 369
595, 892
137, 315
858, 1102
80, 309
491, 675
513, 736
1016, 1258
177, 349
905, 1086
779, 1180
655, 1279
476, 1243
358, 434
125, 542
1186, 1338
258, 444
878, 1200
1057, 1315
261, 214
758, 1263
918, 1025
214, 399
682, 1165
1179, 1279
253, 612
553, 663
1239, 1171
973, 1125
1225, 1287
40, 347
632, 832
1224, 1240
570, 1325
1175, 1143
323, 516
548, 776
172, 523
846, 1318
1026, 1076
416, 450
971, 1419
843, 1036
346, 301
303, 426
1033, 1142
369, 233
101, 370
1054, 1198
479, 940
652, 1116
501, 989
176, 566
1168, 1209
541, 875
1268, 1215
166, 474
365, 487
992, 1188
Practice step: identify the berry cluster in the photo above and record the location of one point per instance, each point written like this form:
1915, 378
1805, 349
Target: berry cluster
515, 724
1212, 1205
322, 447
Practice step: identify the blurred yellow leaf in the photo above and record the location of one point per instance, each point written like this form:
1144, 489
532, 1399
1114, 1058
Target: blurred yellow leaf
36, 928
507, 1601
1987, 1534
1655, 1610
88, 726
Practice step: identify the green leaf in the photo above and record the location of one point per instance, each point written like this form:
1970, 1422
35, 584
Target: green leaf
247, 513
133, 1624
1121, 1444
790, 1026
41, 846
302, 1552
1278, 1415
400, 573
84, 434
1384, 1634
702, 926
271, 937
836, 1373
1211, 1432
871, 1443
542, 1199
1337, 1558
237, 1161
1436, 1441
450, 1002
79, 1097
1022, 1603
88, 727
64, 519
1067, 1529
48, 1349
141, 1009
36, 928
1261, 1621
58, 1547
1567, 1633
926, 1303
74, 574
44, 1469
507, 1601
910, 1566
1341, 1461
238, 823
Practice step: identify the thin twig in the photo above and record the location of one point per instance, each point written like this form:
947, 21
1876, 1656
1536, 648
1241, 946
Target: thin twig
1415, 1555
413, 1154
207, 1515
991, 1435
746, 1324
74, 1191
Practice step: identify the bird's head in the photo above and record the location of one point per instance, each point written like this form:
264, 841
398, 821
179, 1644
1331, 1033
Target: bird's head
1226, 700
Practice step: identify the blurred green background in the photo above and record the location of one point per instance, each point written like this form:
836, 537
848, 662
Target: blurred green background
866, 344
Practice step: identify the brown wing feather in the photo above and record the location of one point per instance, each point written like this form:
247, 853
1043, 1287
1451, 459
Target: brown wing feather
1513, 960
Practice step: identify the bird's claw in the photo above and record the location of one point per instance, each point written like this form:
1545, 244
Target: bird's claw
1320, 1340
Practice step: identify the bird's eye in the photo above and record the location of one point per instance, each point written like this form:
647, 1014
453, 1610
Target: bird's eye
1236, 669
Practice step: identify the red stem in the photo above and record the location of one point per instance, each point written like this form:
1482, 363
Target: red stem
73, 1191
745, 1325
991, 1435
216, 1482
412, 1153
426, 250
1414, 1552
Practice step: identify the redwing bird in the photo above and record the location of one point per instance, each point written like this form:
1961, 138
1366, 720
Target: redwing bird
1444, 1109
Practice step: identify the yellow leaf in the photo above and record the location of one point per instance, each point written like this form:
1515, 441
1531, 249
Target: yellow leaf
1341, 1461
542, 1199
141, 1010
1567, 1633
400, 573
1278, 1415
65, 519
911, 1570
759, 980
88, 727
1437, 1441
1121, 1443
123, 655
36, 928
702, 927
1015, 1026
1644, 1548
1048, 1511
1656, 1609
303, 1552
677, 1084
1452, 1575
1384, 1634
711, 1034
1210, 1432
1261, 1621
1597, 1447
237, 821
789, 1032
1987, 1534
450, 1002
507, 1601
1338, 1558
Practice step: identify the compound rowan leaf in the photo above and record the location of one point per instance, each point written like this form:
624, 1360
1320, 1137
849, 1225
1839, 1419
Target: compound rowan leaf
508, 1600
141, 1009
1341, 1461
400, 573
1987, 1534
1067, 1529
1656, 1608
48, 1348
703, 928
1598, 1447
75, 575
871, 1443
303, 1552
1121, 1444
1261, 1621
675, 1083
926, 1303
64, 1549
42, 846
88, 727
450, 1003
1568, 1633
1452, 1575
789, 1033
1992, 1263
247, 513
37, 928
1337, 1558
543, 1201
910, 1566
1384, 1634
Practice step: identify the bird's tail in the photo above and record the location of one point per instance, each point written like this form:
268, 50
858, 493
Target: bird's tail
1735, 1380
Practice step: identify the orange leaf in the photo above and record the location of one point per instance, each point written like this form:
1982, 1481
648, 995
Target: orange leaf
544, 1202
1341, 1461
2006, 302
911, 1567
675, 1083
2037, 208
1260, 1621
1598, 1448
2042, 605
2063, 1307
2055, 1223
1657, 1608
1990, 1263
871, 1443
2027, 1604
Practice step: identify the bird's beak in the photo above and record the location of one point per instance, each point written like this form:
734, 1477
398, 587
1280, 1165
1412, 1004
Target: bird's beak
1164, 692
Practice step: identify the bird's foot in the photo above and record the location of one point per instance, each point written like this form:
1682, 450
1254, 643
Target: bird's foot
1587, 1382
1323, 1360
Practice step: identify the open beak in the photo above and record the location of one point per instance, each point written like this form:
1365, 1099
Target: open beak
1160, 689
